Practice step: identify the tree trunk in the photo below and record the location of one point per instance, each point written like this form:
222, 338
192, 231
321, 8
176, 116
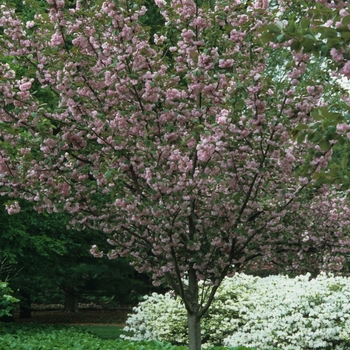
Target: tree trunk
194, 331
71, 300
25, 305
192, 306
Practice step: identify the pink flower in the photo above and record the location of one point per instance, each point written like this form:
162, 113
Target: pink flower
337, 55
160, 3
56, 40
343, 13
25, 86
112, 255
261, 4
95, 251
173, 94
346, 69
13, 208
60, 3
158, 40
30, 24
226, 63
221, 118
343, 127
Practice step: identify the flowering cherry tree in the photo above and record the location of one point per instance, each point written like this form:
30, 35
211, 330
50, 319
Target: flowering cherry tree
178, 146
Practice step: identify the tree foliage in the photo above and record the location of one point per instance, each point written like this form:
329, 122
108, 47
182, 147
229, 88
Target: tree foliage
46, 262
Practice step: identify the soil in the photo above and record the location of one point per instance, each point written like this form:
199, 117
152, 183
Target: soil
86, 316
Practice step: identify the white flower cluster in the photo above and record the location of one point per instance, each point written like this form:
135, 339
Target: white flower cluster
272, 312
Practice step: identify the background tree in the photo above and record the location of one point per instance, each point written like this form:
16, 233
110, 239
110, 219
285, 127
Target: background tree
180, 148
47, 263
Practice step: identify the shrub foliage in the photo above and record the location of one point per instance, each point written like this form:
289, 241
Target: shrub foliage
276, 311
7, 301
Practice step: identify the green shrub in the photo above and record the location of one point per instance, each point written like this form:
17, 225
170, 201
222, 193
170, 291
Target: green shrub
7, 301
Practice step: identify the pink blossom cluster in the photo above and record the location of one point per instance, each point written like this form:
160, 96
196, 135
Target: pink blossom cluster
13, 208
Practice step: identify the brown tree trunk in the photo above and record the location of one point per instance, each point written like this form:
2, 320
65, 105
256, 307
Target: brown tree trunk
194, 332
25, 305
193, 317
71, 300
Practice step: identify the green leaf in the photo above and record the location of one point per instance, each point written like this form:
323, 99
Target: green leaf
108, 174
346, 20
301, 126
324, 50
327, 32
305, 23
266, 37
272, 28
345, 35
296, 45
301, 137
344, 161
308, 45
280, 37
325, 145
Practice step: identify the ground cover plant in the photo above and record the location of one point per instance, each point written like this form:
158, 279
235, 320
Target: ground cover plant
48, 337
267, 313
104, 331
198, 149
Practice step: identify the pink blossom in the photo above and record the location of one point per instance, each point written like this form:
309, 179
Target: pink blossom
113, 254
173, 94
59, 3
95, 251
13, 208
221, 118
226, 63
237, 36
158, 40
337, 55
25, 86
160, 3
261, 4
30, 24
342, 127
343, 13
187, 34
346, 69
303, 180
56, 39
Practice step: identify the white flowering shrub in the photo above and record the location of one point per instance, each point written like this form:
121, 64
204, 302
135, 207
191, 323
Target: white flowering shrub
296, 314
266, 313
163, 317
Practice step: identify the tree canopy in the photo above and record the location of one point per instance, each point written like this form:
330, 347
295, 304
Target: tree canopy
195, 150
